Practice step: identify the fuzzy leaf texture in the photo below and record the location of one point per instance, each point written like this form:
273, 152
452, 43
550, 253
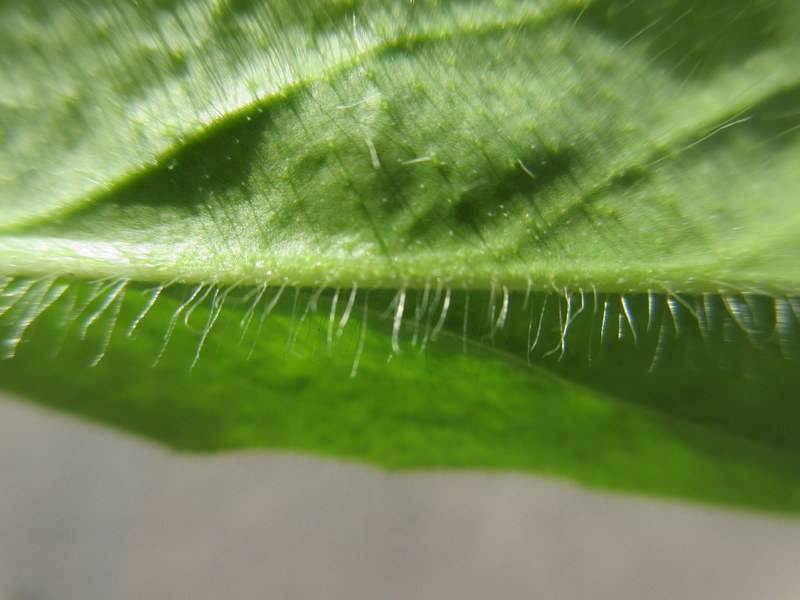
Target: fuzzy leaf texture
559, 236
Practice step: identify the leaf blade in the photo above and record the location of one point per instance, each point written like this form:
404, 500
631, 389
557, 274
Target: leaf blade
441, 408
567, 150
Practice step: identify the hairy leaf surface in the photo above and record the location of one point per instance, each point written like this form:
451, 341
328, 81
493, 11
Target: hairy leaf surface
554, 235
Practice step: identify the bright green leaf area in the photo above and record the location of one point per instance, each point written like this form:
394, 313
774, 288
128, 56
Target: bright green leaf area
283, 381
575, 225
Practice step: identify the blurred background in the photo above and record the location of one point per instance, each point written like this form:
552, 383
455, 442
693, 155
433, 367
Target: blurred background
90, 513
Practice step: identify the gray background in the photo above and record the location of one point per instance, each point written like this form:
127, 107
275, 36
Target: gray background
86, 512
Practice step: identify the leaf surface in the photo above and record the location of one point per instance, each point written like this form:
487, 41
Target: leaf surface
574, 225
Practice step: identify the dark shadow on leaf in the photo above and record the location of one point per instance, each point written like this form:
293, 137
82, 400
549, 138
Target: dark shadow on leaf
693, 39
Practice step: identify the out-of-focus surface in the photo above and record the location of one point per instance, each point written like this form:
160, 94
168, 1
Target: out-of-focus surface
86, 512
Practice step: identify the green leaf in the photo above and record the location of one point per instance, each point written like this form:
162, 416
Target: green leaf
558, 236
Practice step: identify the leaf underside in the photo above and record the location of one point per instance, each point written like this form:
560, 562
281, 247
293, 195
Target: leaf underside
557, 236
